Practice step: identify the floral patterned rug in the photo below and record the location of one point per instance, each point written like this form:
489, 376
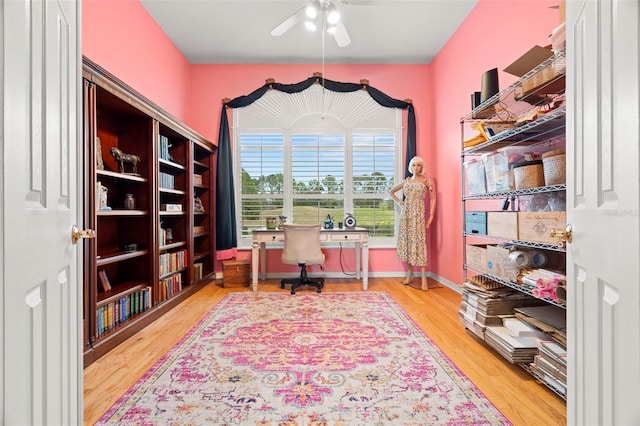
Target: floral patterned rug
351, 358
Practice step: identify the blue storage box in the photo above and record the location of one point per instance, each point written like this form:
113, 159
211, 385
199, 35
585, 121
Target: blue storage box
476, 223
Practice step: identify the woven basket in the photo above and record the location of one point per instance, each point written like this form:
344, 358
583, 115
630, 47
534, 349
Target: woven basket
554, 163
529, 174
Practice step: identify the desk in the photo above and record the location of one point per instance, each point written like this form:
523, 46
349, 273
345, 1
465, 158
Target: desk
358, 236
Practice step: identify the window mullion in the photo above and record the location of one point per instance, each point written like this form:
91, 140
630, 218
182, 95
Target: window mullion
288, 176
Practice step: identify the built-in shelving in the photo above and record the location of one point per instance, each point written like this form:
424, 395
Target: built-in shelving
132, 276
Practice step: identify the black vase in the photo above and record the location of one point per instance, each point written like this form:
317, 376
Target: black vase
489, 84
475, 100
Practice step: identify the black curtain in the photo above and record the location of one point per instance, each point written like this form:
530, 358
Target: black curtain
226, 237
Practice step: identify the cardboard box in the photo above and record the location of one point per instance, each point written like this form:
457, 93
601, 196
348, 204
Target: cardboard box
535, 226
235, 273
525, 63
502, 224
499, 265
476, 257
476, 223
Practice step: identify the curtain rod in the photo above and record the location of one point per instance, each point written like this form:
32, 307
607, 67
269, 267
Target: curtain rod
269, 81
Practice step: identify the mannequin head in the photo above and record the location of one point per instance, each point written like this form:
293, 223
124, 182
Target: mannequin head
416, 166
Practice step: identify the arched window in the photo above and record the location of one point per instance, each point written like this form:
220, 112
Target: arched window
315, 153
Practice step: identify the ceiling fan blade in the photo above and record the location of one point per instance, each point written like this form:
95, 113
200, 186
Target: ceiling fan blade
288, 23
341, 35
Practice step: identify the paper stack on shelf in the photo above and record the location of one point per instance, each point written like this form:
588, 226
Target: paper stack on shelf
515, 340
550, 319
482, 307
550, 365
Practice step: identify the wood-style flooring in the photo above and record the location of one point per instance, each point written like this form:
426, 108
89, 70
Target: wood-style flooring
516, 393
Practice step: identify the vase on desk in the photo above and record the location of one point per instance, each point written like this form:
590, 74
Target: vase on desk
271, 222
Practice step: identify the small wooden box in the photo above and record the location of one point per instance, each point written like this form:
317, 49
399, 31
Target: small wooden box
476, 257
535, 226
502, 224
235, 273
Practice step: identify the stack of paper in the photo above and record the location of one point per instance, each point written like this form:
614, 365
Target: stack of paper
550, 319
514, 340
550, 365
482, 307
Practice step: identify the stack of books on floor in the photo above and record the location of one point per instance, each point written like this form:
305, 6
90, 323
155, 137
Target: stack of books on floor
485, 305
515, 340
550, 366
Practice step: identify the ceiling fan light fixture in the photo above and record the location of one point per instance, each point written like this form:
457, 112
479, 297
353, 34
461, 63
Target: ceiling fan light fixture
312, 11
310, 25
333, 16
331, 29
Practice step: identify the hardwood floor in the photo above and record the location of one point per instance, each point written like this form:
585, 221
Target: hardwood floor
516, 393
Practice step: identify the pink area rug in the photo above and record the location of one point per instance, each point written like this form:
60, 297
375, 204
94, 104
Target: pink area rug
351, 358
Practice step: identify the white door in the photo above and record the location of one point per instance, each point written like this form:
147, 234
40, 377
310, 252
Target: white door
40, 289
603, 261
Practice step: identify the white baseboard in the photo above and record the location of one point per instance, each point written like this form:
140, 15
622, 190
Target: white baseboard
280, 275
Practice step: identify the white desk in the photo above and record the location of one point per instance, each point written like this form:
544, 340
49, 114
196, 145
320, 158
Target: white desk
358, 236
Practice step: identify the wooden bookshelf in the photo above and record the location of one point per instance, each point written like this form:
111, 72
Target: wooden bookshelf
134, 242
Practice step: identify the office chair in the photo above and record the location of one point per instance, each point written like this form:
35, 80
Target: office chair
302, 248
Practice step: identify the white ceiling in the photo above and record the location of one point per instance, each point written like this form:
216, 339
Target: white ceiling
238, 31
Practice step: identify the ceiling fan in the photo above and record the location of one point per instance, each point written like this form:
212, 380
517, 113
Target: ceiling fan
321, 14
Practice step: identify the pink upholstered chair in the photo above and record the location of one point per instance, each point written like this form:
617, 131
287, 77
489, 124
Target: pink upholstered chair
302, 248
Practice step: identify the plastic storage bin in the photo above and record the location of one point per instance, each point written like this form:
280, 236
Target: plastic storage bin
496, 167
476, 177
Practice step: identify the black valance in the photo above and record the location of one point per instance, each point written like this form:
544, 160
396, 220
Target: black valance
226, 233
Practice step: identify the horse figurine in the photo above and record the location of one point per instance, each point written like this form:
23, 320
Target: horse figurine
122, 158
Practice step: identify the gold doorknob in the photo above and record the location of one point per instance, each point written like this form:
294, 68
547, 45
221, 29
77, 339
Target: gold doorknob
565, 235
76, 234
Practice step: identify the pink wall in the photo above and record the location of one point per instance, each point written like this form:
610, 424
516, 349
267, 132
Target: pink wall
122, 38
141, 55
212, 83
494, 35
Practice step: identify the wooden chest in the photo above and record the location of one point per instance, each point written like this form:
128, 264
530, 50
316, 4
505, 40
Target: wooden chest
235, 273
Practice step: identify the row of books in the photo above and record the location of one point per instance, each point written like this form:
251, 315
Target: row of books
112, 314
166, 180
170, 287
174, 261
164, 145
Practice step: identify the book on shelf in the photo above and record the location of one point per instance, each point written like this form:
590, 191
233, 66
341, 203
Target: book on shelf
164, 146
197, 179
197, 271
174, 261
119, 311
198, 229
104, 280
171, 207
169, 287
166, 180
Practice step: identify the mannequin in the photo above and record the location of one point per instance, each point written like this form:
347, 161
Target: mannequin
412, 235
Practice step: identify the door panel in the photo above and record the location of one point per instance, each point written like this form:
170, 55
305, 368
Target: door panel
41, 305
603, 191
